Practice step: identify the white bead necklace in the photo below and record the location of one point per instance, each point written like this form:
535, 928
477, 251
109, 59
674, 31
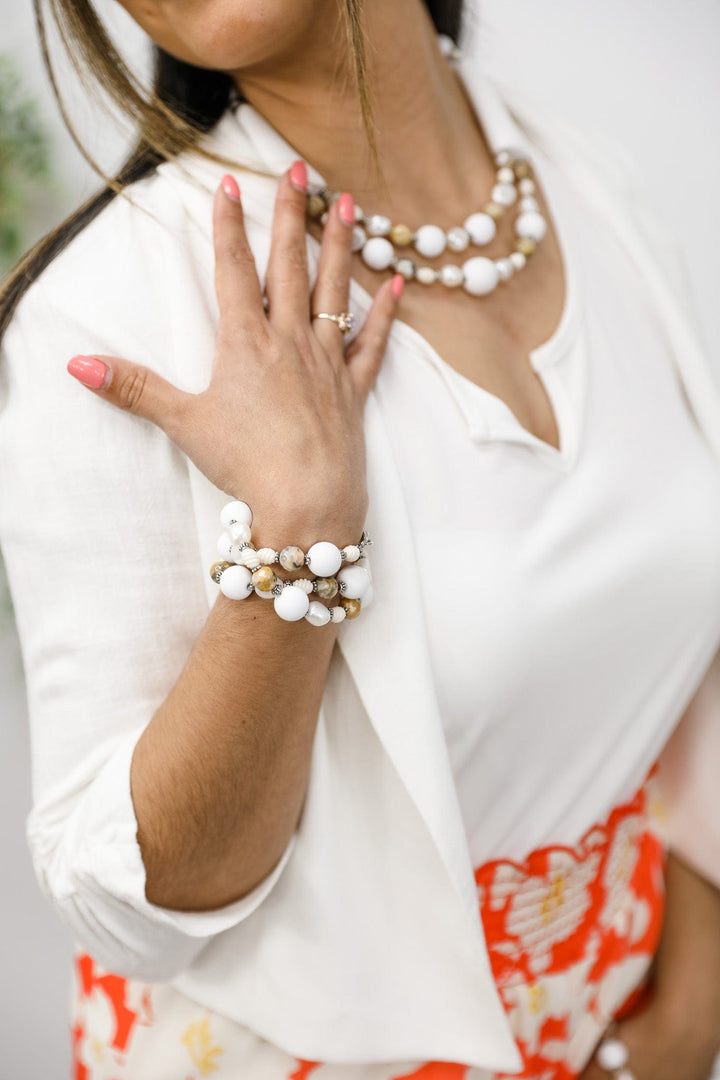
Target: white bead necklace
375, 236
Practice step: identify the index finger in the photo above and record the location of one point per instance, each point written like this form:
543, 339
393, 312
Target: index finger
237, 285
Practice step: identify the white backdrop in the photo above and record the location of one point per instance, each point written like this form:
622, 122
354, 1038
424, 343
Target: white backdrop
643, 72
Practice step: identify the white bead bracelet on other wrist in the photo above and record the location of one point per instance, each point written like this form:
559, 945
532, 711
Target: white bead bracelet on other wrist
612, 1056
243, 569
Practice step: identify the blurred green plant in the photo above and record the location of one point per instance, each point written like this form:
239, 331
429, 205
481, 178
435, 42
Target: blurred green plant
24, 159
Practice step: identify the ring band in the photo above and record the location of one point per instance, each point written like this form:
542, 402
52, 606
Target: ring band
344, 321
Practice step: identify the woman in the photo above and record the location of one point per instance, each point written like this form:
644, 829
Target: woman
429, 851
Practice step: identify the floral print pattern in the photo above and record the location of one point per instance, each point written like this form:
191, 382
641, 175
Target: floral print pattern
571, 933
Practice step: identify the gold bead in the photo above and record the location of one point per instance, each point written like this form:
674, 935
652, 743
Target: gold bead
264, 578
522, 170
401, 235
217, 568
494, 210
292, 558
326, 588
316, 205
526, 246
352, 607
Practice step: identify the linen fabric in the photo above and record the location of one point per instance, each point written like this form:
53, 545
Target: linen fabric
381, 957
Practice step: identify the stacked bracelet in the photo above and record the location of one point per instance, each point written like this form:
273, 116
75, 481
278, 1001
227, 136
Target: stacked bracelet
612, 1056
243, 569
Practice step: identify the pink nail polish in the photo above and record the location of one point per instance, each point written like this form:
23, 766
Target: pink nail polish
89, 371
398, 285
346, 208
298, 175
230, 187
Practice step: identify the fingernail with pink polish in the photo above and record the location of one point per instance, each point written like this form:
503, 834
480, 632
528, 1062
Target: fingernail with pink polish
398, 285
298, 175
230, 187
346, 208
90, 371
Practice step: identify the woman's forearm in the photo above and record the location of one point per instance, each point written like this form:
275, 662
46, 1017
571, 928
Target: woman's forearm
219, 775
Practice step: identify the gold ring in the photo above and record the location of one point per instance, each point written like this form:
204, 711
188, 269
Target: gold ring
344, 321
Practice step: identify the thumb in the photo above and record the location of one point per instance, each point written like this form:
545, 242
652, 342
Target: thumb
131, 387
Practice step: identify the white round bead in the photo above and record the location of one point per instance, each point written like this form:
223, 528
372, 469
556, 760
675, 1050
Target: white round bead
378, 253
352, 553
266, 556
506, 175
481, 228
324, 558
357, 581
612, 1054
426, 275
517, 259
317, 614
504, 194
532, 225
337, 614
225, 546
378, 225
451, 275
457, 238
235, 511
406, 267
359, 237
481, 275
240, 532
292, 604
529, 202
527, 186
504, 269
430, 241
236, 582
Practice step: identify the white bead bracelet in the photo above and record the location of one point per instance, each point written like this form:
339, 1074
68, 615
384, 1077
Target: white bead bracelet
612, 1056
243, 569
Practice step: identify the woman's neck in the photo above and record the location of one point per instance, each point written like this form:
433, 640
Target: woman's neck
432, 151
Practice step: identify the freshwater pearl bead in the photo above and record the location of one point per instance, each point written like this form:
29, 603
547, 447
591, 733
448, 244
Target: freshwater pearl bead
378, 253
292, 558
236, 582
481, 228
324, 558
378, 225
236, 553
264, 579
529, 202
352, 608
451, 275
317, 614
266, 556
351, 553
337, 614
526, 186
292, 604
426, 275
502, 158
612, 1054
225, 546
531, 225
359, 238
326, 588
458, 238
430, 241
504, 194
240, 532
406, 267
504, 269
401, 235
517, 259
235, 511
481, 275
356, 580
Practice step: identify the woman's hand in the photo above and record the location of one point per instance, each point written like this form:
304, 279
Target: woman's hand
281, 423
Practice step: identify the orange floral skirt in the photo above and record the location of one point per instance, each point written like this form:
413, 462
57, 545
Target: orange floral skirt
571, 934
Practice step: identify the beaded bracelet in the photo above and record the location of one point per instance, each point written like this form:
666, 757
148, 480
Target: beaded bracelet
243, 569
612, 1056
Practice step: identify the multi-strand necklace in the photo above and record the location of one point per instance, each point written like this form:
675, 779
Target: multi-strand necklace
383, 244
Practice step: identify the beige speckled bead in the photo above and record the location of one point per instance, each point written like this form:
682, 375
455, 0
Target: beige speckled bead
526, 246
401, 235
265, 578
292, 558
217, 568
493, 210
326, 588
266, 556
352, 607
316, 205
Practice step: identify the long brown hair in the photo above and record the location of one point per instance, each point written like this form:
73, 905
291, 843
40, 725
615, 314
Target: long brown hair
181, 104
